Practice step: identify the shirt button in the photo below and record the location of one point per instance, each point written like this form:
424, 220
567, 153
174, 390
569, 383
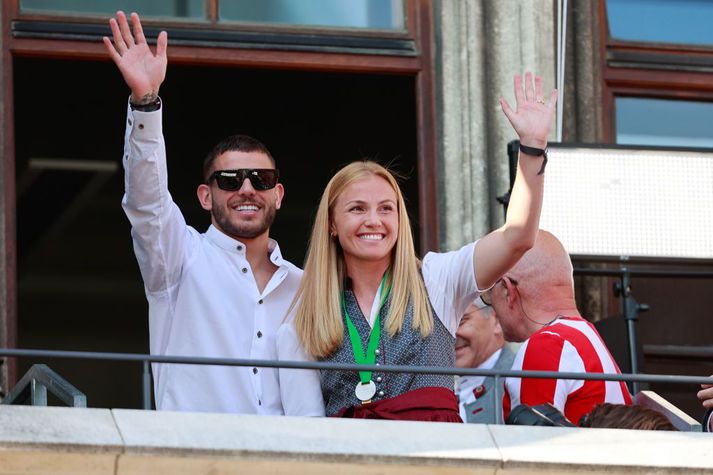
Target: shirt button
377, 364
259, 334
245, 270
259, 402
260, 301
378, 379
141, 126
381, 393
254, 370
240, 247
377, 352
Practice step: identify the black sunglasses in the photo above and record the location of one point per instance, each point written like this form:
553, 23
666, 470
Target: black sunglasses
231, 180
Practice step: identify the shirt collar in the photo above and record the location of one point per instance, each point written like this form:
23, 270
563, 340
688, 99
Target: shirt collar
226, 242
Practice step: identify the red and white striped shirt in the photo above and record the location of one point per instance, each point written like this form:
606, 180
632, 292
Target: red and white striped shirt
569, 344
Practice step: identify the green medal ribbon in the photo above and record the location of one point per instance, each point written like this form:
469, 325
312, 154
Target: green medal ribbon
374, 336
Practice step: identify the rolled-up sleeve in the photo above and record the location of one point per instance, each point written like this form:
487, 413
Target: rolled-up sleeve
450, 282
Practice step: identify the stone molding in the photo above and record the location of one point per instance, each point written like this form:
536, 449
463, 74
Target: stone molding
37, 440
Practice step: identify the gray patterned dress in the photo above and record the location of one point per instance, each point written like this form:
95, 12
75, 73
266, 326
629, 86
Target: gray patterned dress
407, 347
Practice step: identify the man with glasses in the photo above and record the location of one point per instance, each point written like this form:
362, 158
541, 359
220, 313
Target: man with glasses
480, 344
535, 304
222, 293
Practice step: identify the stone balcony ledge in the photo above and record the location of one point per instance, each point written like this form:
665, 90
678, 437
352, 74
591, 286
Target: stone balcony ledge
101, 441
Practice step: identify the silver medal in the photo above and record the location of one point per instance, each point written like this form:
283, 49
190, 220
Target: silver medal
365, 391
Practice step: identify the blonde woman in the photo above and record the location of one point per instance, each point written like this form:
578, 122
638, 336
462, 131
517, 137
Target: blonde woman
365, 297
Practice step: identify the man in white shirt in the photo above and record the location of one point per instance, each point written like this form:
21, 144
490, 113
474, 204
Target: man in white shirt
222, 293
480, 344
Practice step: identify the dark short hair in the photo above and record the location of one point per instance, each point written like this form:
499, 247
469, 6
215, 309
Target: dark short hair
620, 416
235, 143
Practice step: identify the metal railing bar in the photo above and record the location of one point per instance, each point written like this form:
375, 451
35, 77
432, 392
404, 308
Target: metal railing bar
680, 351
691, 274
498, 400
33, 387
146, 385
437, 370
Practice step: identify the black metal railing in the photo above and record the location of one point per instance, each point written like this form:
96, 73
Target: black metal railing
497, 374
32, 388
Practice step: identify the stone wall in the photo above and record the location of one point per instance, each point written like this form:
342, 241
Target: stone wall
39, 440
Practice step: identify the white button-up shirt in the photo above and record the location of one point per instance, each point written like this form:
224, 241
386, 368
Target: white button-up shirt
203, 299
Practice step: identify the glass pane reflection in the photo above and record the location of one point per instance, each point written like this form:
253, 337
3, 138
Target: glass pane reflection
374, 14
674, 123
661, 21
194, 9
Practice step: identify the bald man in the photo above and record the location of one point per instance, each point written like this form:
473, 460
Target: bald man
535, 303
480, 344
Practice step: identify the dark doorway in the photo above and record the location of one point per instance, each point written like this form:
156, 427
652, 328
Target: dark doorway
79, 286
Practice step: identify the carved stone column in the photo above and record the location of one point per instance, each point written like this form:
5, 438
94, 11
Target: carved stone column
480, 45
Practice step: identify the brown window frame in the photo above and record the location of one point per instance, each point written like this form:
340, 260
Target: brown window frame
650, 70
387, 53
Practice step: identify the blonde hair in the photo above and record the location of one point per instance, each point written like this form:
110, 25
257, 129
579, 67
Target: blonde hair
318, 321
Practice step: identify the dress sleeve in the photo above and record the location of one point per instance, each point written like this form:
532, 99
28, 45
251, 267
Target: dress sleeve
300, 389
158, 228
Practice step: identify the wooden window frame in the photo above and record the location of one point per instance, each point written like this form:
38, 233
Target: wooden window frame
649, 70
418, 63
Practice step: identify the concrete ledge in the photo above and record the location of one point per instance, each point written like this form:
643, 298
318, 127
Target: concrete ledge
99, 441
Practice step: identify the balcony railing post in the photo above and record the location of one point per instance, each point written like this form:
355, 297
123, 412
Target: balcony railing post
38, 393
498, 401
146, 385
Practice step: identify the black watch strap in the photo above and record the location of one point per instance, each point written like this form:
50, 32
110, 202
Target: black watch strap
148, 107
536, 152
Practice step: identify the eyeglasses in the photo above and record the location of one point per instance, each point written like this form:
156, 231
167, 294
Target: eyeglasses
231, 180
487, 297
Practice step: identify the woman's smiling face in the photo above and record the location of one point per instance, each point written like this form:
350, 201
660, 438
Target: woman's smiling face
365, 218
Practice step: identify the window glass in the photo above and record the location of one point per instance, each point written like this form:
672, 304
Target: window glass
194, 9
661, 21
375, 14
664, 122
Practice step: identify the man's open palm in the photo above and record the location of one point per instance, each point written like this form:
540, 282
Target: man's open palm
142, 70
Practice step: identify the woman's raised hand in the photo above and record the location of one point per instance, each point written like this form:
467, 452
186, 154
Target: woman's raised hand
532, 119
142, 70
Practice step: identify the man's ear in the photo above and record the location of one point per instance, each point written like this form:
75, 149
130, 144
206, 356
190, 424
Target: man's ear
205, 196
511, 294
280, 193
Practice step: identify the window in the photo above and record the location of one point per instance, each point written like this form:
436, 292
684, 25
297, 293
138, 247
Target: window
661, 21
194, 9
377, 14
641, 121
658, 72
385, 15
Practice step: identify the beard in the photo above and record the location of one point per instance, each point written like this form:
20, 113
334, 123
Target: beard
244, 229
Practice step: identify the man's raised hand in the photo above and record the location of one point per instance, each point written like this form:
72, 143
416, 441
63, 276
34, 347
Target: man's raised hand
142, 70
